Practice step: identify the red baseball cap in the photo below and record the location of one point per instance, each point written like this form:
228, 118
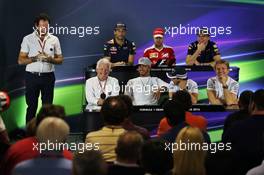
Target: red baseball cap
158, 32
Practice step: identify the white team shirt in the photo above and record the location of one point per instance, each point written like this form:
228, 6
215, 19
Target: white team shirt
93, 90
141, 89
214, 84
32, 45
191, 87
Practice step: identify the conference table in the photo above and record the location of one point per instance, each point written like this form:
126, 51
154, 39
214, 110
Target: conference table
150, 116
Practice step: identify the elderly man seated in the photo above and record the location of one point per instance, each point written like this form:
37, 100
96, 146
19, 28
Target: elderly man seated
98, 88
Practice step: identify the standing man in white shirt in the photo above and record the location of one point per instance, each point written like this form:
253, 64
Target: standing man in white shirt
98, 88
40, 51
180, 81
145, 90
222, 89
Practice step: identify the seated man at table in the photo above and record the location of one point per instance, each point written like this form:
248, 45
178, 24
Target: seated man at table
100, 87
119, 50
180, 81
114, 111
145, 90
222, 89
160, 54
203, 51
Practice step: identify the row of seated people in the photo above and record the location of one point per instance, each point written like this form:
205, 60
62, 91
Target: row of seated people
128, 149
120, 51
146, 90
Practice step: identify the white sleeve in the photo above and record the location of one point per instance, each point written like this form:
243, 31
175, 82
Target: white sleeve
194, 87
162, 83
57, 47
115, 88
210, 84
234, 87
172, 87
89, 93
24, 45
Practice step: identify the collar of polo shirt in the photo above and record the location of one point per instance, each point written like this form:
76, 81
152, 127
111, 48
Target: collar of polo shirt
37, 35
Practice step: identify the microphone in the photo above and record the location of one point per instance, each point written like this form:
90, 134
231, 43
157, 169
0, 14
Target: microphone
103, 96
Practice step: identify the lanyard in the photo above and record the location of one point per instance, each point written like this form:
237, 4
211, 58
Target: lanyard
102, 88
42, 45
146, 82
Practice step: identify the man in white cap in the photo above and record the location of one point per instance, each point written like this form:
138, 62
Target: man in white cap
145, 90
160, 54
180, 81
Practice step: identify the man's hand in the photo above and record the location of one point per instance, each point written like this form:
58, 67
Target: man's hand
120, 63
48, 60
100, 102
183, 84
201, 47
156, 94
223, 80
41, 56
44, 57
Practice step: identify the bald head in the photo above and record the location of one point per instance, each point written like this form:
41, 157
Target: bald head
52, 129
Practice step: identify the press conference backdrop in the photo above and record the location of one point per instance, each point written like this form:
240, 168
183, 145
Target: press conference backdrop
83, 26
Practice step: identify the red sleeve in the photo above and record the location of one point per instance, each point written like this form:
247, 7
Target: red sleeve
172, 55
146, 53
18, 152
163, 126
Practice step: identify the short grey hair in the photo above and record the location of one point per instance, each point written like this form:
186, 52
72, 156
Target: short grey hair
103, 61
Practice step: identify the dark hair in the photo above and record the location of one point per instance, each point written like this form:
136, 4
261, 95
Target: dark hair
244, 99
49, 110
258, 99
174, 112
128, 102
114, 111
41, 16
89, 162
129, 145
155, 159
184, 98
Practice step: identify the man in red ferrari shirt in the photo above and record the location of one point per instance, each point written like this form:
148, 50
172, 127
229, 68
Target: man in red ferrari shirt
159, 53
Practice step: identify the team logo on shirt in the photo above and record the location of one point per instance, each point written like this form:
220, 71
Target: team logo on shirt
153, 55
165, 55
113, 49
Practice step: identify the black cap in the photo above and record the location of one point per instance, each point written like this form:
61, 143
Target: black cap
120, 25
177, 72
